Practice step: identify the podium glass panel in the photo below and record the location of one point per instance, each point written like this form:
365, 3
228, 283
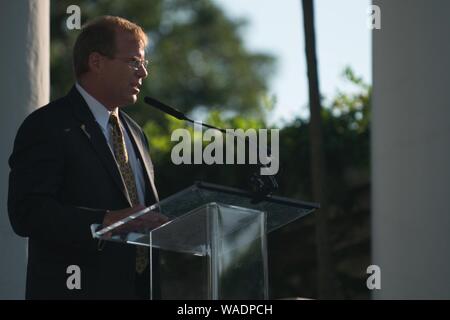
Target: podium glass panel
218, 246
214, 246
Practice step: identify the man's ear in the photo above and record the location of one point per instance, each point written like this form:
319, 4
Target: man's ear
95, 62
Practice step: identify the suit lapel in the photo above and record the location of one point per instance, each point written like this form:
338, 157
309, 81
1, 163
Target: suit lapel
94, 134
141, 153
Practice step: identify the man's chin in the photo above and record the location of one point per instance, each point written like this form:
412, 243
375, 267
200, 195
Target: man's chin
133, 99
129, 100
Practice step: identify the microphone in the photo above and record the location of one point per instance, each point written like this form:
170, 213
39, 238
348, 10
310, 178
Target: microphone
261, 185
166, 109
175, 113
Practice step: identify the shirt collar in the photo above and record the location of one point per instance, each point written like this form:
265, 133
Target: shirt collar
100, 112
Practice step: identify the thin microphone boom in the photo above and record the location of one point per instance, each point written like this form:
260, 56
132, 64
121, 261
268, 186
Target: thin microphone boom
175, 113
165, 108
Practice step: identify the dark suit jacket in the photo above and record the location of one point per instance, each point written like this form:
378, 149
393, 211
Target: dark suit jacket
63, 179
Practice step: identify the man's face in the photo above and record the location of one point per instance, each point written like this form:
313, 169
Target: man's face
120, 80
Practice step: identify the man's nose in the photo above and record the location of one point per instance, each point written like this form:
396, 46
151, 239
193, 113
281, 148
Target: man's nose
142, 72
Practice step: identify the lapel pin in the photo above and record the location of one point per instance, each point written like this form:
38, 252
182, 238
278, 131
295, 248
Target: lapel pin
83, 127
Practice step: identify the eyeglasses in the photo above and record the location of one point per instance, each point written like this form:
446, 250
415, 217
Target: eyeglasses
135, 64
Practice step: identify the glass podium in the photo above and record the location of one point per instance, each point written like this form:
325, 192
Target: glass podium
215, 244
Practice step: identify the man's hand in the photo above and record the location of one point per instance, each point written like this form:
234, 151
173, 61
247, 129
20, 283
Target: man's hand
148, 221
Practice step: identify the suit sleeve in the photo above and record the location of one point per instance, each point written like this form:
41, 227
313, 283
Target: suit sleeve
35, 180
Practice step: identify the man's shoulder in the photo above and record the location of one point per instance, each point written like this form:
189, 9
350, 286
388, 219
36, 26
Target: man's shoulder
55, 110
49, 117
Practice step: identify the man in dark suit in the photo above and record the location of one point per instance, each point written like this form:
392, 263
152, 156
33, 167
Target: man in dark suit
80, 161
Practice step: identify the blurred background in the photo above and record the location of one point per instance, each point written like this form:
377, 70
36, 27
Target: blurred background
304, 67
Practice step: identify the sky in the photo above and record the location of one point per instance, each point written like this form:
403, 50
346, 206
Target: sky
276, 27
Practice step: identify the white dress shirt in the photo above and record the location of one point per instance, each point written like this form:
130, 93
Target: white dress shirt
101, 115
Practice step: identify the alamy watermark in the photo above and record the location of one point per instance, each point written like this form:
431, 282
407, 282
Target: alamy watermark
374, 280
74, 20
374, 19
213, 153
74, 279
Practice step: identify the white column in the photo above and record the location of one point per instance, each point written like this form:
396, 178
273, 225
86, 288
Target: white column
24, 85
411, 149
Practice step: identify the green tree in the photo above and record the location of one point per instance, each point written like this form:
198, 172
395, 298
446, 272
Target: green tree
345, 125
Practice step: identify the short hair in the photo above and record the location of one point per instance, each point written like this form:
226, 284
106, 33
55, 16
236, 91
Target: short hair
99, 35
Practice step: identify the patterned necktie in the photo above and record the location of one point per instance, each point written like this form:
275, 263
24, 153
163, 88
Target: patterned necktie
121, 154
